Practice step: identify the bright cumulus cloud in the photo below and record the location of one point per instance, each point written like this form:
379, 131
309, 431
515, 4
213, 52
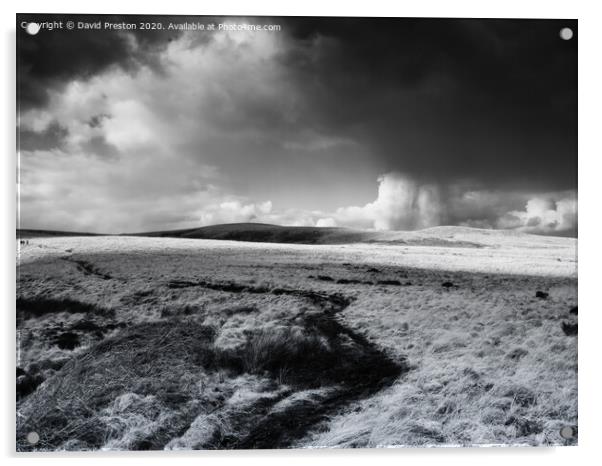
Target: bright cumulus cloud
405, 204
543, 215
401, 204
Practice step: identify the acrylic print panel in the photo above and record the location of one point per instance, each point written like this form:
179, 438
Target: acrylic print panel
295, 232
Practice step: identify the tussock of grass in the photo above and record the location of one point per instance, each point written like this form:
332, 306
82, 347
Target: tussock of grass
316, 355
281, 350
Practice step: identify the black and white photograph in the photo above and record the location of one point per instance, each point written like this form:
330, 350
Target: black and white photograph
295, 232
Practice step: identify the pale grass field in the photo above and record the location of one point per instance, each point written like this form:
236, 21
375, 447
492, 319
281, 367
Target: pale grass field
482, 361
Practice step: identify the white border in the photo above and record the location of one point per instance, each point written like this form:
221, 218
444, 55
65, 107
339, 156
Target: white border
590, 227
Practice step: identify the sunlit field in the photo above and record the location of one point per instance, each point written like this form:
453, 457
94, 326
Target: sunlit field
445, 336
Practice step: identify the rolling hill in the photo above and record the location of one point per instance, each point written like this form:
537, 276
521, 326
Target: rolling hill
266, 233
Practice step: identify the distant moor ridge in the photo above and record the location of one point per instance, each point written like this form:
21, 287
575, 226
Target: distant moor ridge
265, 233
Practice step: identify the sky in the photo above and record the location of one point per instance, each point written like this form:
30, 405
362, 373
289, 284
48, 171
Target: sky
377, 123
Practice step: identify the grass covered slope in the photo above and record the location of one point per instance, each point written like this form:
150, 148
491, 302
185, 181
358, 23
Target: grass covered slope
137, 343
265, 233
437, 236
442, 248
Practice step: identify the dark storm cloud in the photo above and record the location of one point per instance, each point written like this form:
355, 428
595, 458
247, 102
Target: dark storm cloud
493, 100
